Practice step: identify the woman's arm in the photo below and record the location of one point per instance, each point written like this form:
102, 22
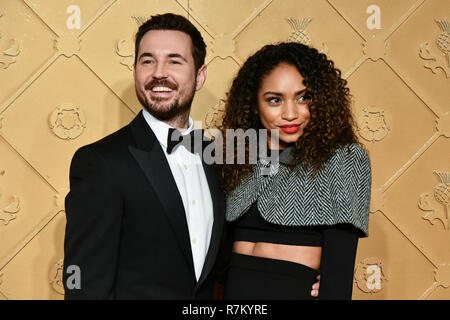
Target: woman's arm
338, 262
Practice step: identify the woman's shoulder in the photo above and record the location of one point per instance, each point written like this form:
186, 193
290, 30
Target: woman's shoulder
352, 151
349, 157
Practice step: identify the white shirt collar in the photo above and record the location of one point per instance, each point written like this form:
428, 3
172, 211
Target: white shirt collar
161, 129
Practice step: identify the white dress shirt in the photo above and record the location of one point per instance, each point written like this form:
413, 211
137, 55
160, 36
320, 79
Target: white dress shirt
187, 170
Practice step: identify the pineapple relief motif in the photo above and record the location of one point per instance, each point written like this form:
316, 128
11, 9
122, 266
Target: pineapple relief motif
443, 41
443, 44
442, 192
299, 34
442, 196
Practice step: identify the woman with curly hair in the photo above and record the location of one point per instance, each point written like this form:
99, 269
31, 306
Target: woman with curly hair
305, 218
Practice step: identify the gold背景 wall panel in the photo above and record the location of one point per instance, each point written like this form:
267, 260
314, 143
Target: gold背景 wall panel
26, 43
66, 80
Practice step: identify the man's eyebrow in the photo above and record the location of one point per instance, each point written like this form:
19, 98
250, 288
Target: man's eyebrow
145, 54
170, 55
177, 55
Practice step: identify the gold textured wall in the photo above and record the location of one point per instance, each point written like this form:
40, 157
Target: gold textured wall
66, 81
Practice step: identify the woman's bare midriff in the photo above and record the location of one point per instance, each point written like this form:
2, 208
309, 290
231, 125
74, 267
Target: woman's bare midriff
306, 255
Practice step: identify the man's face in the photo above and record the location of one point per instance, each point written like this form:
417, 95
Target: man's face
165, 76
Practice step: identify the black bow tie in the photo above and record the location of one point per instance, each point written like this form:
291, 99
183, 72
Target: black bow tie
193, 141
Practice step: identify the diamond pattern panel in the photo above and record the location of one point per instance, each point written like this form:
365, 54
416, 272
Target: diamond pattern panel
26, 43
68, 82
222, 19
25, 200
44, 278
62, 15
391, 13
272, 25
49, 149
109, 49
404, 272
408, 121
415, 53
422, 209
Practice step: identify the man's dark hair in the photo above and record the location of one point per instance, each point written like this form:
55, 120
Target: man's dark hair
170, 21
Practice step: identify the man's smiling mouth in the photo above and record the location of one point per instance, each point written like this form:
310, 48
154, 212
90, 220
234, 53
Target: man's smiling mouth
161, 89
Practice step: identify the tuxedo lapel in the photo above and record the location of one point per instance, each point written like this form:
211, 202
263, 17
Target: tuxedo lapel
153, 162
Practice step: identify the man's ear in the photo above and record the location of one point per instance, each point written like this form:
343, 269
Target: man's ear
201, 77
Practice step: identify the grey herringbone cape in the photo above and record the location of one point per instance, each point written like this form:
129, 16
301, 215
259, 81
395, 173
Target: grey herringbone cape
339, 193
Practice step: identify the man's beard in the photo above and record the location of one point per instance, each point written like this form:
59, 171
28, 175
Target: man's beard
169, 112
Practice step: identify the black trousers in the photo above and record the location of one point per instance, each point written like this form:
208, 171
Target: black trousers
251, 277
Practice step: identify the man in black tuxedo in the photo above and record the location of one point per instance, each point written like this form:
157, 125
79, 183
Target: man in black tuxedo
145, 219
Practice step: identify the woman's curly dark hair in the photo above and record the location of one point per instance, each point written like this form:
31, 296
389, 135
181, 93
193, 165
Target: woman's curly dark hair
331, 122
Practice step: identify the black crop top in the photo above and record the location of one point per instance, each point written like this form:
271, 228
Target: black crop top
252, 227
338, 242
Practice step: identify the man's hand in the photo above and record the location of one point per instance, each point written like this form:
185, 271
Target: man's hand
315, 288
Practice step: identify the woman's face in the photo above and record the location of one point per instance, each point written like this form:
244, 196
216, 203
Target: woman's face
282, 104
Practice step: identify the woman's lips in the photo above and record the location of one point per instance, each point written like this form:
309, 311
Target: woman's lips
290, 128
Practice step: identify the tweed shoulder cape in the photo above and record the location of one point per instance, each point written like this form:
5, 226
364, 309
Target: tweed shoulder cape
339, 193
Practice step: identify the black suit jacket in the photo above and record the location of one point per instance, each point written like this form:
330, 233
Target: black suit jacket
126, 225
